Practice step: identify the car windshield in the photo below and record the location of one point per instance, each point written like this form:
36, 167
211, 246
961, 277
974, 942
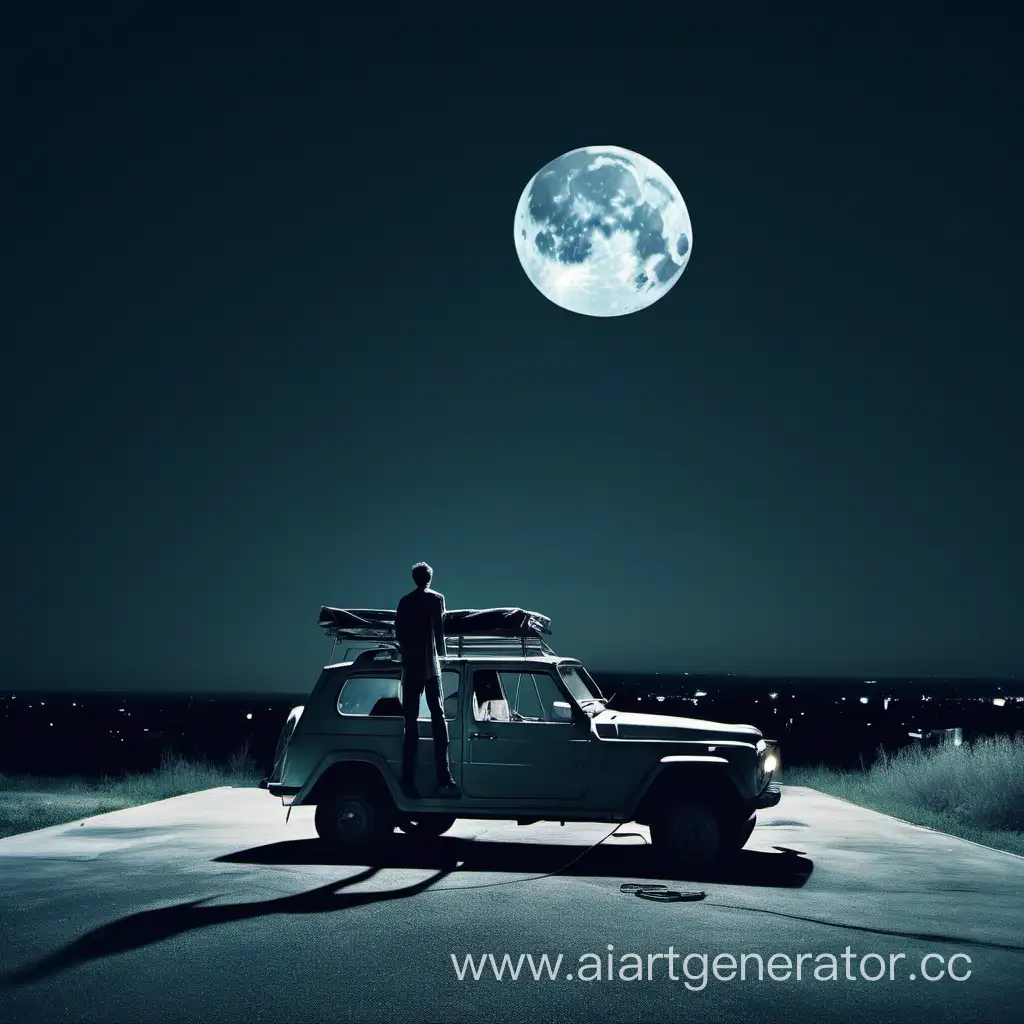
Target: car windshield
582, 687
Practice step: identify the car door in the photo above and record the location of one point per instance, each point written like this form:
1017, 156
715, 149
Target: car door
517, 745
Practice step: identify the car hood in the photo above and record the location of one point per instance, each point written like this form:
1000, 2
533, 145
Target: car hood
634, 725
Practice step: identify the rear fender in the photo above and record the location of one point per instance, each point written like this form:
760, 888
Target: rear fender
365, 765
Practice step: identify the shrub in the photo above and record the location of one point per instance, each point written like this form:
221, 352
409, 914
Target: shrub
975, 790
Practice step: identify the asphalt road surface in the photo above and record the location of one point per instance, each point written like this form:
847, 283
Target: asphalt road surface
210, 907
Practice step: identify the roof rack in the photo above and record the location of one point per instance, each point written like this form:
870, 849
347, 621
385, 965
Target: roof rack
463, 646
524, 645
502, 630
378, 624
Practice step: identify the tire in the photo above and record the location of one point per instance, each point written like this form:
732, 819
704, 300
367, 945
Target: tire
354, 820
687, 833
427, 826
737, 833
742, 834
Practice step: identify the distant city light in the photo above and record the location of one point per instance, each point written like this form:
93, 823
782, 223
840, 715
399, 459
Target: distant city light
864, 700
885, 704
999, 701
700, 693
249, 716
773, 695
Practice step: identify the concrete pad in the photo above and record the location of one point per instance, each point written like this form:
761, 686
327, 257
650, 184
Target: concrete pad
210, 906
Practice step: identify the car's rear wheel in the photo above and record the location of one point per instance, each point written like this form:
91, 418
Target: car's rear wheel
354, 819
427, 826
687, 833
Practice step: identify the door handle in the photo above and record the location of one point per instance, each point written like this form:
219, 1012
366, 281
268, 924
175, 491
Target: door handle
482, 736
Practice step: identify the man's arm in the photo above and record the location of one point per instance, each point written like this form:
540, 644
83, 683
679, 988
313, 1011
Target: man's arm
439, 643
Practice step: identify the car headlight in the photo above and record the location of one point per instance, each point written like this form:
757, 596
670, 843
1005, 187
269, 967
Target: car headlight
771, 762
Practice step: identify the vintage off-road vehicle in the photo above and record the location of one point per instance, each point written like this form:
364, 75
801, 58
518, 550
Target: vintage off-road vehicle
531, 739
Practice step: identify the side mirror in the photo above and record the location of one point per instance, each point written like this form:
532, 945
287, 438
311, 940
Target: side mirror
562, 710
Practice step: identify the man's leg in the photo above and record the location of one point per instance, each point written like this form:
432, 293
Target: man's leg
410, 739
435, 701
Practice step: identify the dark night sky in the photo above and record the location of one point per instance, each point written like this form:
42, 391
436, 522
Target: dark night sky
272, 344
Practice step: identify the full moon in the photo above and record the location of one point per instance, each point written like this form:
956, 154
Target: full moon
602, 231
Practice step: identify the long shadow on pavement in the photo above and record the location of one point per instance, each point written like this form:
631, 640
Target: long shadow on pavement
445, 855
783, 869
149, 926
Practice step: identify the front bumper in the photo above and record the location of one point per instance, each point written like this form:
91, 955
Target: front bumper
768, 797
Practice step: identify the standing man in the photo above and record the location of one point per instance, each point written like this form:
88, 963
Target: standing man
420, 635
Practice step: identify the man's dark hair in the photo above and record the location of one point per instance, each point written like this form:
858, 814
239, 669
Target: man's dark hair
422, 574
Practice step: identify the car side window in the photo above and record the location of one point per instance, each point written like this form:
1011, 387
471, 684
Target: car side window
523, 699
449, 695
381, 696
532, 696
513, 696
371, 695
489, 703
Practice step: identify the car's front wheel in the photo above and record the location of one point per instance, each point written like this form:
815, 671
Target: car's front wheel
427, 826
687, 833
353, 820
738, 832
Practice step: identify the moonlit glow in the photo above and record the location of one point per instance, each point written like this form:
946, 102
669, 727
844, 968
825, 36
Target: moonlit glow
602, 231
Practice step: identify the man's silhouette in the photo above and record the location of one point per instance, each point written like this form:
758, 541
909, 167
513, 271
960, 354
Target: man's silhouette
420, 635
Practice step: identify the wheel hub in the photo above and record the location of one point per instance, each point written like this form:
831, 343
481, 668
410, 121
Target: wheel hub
352, 816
